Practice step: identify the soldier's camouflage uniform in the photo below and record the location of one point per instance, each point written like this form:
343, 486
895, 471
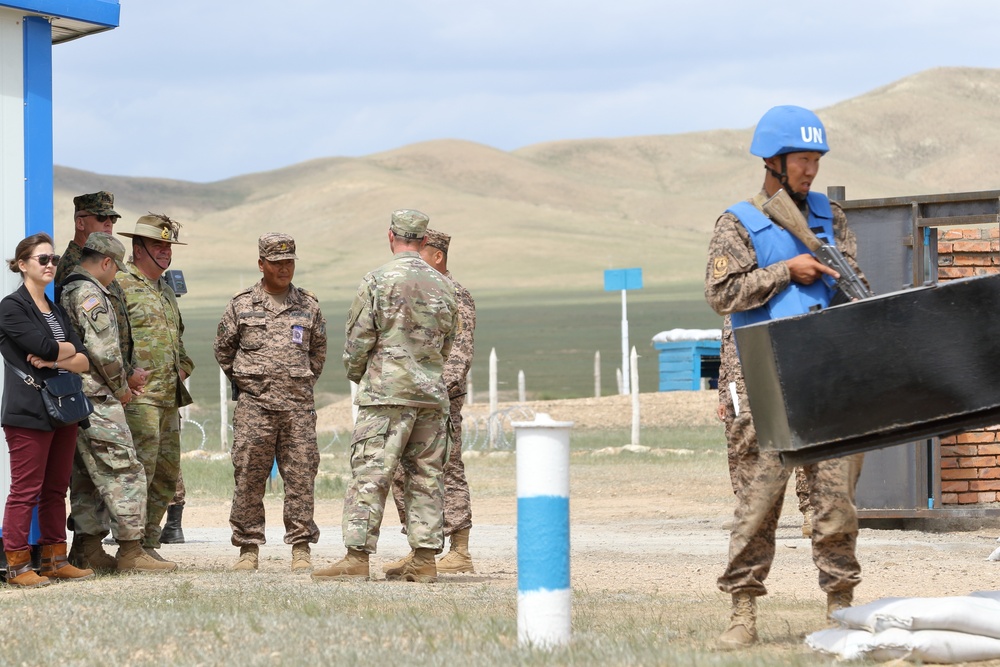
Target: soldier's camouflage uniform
108, 480
153, 417
734, 283
81, 488
399, 331
457, 501
274, 357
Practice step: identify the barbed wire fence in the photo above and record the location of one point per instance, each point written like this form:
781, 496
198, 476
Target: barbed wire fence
476, 432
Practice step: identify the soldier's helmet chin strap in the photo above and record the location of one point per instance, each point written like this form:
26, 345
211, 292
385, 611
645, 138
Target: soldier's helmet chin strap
142, 242
782, 177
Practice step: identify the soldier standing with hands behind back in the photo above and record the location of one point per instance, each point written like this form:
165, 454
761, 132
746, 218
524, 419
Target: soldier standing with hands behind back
271, 344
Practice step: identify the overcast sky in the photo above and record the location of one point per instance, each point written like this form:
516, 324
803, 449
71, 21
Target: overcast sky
204, 90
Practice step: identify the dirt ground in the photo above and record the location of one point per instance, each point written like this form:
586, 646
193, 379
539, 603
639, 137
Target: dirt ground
645, 528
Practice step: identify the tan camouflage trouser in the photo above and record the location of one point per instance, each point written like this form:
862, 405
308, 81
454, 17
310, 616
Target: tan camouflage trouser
457, 501
179, 492
108, 485
259, 438
759, 480
157, 437
386, 436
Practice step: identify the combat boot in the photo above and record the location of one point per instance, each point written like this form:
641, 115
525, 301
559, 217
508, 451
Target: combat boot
88, 553
301, 558
398, 563
56, 566
837, 601
742, 630
172, 532
19, 572
807, 522
458, 559
421, 568
248, 558
354, 565
133, 558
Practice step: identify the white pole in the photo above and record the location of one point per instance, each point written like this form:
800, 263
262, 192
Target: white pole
625, 373
493, 397
520, 387
618, 379
223, 411
468, 388
635, 397
186, 410
597, 374
543, 584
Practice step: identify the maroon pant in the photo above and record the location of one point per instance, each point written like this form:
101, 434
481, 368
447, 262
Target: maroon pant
40, 467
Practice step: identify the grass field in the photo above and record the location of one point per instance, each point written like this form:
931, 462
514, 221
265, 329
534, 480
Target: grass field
211, 616
552, 338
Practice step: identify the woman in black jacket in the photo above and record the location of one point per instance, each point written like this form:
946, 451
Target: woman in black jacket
37, 338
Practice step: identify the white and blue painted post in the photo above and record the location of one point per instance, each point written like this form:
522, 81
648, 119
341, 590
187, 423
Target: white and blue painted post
543, 590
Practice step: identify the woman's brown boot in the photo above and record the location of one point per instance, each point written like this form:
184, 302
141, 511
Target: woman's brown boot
55, 565
19, 572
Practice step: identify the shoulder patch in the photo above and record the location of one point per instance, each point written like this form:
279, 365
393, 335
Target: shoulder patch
90, 303
720, 265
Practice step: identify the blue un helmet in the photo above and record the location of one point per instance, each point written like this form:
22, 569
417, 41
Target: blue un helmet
788, 129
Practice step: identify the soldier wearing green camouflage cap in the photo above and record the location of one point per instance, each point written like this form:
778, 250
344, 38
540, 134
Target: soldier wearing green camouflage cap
399, 332
109, 482
158, 331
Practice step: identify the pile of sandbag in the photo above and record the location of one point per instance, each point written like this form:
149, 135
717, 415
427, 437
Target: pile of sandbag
929, 630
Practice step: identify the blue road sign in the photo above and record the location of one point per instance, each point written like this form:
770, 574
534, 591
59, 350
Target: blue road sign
619, 279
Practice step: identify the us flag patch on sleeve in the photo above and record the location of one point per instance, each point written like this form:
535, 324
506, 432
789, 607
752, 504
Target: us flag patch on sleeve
91, 303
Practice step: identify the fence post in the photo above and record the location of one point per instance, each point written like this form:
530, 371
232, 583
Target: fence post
223, 412
493, 398
634, 369
520, 387
597, 374
468, 388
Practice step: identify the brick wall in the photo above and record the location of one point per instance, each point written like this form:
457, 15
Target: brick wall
970, 462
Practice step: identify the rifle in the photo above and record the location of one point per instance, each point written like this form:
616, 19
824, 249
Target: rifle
783, 211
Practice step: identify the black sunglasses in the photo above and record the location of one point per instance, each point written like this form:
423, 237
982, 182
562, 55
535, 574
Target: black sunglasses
45, 259
102, 218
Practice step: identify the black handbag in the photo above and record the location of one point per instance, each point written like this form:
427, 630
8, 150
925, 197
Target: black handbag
63, 397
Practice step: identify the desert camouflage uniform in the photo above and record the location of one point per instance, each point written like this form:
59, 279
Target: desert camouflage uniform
274, 357
457, 502
153, 418
734, 283
399, 332
108, 480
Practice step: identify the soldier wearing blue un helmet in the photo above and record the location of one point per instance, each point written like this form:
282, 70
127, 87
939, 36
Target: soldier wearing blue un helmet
758, 271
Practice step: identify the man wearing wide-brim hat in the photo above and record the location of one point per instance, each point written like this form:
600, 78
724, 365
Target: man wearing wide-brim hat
157, 330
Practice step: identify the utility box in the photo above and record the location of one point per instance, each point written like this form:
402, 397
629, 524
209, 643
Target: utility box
877, 372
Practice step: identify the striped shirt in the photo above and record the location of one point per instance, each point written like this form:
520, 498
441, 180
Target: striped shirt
57, 331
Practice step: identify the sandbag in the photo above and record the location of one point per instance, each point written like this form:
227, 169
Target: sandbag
972, 614
936, 646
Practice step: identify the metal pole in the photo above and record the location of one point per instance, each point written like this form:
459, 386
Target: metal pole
635, 397
597, 374
625, 373
543, 584
468, 388
520, 387
223, 412
492, 423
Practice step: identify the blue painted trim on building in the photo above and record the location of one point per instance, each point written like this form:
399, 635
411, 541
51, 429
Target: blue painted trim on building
98, 12
37, 126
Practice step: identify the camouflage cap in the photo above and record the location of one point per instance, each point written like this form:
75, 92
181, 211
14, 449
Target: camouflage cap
409, 224
98, 203
439, 240
107, 245
156, 226
275, 247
